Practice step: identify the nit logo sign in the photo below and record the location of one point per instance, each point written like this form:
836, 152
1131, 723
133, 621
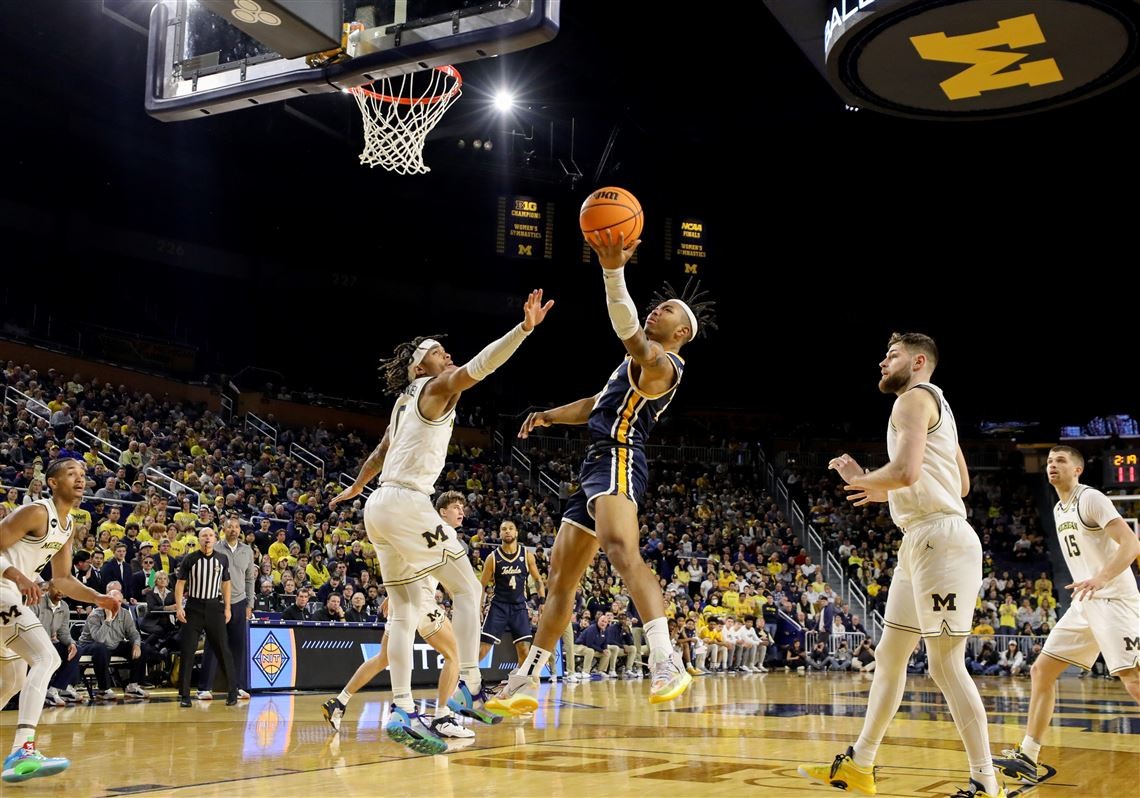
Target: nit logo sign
273, 660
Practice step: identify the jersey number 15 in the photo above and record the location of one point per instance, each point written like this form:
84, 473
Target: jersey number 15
1071, 545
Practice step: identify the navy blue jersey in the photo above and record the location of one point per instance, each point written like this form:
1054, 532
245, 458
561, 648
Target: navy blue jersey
625, 415
510, 576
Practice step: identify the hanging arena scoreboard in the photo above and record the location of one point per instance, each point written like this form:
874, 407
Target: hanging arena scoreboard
966, 59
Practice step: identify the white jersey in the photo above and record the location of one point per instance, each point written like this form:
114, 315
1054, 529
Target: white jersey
938, 491
1085, 544
30, 554
417, 447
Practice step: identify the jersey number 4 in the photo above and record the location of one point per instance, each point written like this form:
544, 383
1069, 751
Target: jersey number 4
435, 536
1071, 545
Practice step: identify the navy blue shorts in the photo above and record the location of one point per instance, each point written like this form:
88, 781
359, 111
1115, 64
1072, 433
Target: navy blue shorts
609, 471
502, 617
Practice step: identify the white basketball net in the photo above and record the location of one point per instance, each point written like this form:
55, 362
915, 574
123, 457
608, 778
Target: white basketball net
399, 113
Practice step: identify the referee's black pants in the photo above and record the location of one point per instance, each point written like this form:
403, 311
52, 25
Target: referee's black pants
211, 617
237, 632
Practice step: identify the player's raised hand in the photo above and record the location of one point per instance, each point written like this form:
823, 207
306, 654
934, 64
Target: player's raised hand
537, 419
534, 311
846, 467
613, 251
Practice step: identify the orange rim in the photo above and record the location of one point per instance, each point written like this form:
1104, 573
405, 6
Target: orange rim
450, 71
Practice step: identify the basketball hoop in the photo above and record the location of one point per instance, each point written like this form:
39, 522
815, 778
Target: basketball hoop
399, 113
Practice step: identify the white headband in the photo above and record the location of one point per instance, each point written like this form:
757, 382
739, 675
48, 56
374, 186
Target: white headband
692, 316
422, 350
418, 356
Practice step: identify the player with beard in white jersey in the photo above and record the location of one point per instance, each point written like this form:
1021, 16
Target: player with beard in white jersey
30, 537
412, 542
1104, 617
939, 571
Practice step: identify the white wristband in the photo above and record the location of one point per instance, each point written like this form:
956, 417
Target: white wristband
497, 353
623, 313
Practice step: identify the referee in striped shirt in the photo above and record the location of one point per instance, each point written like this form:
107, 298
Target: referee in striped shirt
207, 573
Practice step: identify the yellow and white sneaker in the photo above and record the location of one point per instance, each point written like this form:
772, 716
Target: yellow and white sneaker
670, 679
843, 774
513, 698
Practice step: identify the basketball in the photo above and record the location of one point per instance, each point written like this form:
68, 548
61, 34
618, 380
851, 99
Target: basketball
613, 209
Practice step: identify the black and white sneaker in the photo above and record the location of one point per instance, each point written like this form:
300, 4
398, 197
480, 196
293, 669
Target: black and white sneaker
333, 711
449, 726
1014, 764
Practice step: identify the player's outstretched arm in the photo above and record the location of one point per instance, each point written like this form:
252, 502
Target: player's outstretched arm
613, 256
573, 413
494, 354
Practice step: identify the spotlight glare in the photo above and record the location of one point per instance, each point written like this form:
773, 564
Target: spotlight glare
504, 101
477, 144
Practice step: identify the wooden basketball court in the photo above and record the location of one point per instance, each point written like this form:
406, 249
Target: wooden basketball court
731, 735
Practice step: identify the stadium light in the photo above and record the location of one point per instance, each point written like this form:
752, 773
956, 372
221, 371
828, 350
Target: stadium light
504, 101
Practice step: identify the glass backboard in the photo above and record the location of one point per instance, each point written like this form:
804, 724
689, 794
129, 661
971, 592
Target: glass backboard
215, 56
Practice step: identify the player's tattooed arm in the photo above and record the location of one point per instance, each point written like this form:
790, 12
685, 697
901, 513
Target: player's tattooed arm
368, 472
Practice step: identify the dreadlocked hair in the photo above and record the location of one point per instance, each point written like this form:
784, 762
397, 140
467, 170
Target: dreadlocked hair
394, 370
697, 300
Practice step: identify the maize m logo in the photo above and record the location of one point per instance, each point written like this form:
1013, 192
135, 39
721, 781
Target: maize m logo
989, 68
948, 602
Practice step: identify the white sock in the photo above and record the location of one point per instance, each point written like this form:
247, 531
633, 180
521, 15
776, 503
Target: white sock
864, 753
984, 775
24, 735
657, 635
344, 697
535, 661
1031, 748
472, 678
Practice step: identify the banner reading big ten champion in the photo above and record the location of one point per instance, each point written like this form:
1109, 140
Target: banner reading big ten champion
525, 228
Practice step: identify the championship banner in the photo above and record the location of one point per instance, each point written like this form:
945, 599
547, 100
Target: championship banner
525, 228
